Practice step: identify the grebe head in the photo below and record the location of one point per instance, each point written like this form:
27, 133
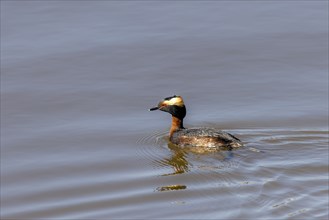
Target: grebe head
174, 105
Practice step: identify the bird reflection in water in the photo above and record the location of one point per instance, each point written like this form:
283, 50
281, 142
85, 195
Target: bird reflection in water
180, 165
179, 162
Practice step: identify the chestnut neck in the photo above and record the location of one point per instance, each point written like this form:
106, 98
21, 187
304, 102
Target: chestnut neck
176, 124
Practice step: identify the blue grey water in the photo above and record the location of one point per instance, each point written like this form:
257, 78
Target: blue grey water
77, 78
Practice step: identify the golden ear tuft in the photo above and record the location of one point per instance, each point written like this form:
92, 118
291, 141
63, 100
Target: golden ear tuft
175, 100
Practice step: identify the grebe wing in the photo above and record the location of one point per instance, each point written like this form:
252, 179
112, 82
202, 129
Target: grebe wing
206, 132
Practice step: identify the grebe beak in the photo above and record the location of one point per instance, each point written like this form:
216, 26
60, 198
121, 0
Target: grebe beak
155, 108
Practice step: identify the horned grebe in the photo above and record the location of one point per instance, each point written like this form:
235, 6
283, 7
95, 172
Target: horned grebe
193, 137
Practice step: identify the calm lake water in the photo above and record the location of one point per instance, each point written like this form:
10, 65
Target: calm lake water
77, 78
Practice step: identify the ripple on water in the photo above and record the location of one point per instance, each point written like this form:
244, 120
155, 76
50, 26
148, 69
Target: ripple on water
198, 170
270, 172
151, 148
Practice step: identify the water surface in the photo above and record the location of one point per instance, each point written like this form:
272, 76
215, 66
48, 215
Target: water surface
77, 78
